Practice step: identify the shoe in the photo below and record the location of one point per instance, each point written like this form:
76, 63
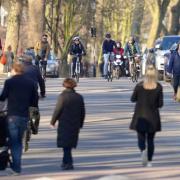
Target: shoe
10, 172
149, 164
68, 167
144, 157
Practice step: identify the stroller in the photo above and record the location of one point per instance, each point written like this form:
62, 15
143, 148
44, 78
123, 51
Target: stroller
4, 155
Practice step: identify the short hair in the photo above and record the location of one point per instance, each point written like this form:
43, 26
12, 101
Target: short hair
18, 67
69, 83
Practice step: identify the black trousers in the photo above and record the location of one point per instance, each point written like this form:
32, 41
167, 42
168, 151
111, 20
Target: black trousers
74, 60
148, 138
43, 65
176, 83
67, 158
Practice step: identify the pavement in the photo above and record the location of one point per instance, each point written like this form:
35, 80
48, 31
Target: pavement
107, 148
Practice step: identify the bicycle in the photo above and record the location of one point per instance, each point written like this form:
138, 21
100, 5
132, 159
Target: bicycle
134, 71
77, 72
110, 69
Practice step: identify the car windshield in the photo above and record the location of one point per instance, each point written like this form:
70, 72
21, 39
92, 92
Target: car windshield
168, 42
51, 57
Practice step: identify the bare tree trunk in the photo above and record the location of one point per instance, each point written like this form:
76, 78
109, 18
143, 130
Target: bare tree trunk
175, 19
158, 10
36, 14
137, 18
13, 25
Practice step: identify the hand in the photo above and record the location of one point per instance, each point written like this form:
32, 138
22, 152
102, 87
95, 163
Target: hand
45, 59
52, 126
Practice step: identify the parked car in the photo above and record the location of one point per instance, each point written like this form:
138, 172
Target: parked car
163, 48
53, 66
167, 56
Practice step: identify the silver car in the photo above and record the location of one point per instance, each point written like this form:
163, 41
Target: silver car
53, 66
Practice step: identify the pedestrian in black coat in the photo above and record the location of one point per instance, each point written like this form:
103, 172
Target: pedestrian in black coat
70, 113
148, 96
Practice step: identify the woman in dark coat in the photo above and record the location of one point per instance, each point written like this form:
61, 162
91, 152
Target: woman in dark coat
70, 113
148, 96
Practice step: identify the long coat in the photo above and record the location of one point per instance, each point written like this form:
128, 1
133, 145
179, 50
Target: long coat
146, 117
70, 113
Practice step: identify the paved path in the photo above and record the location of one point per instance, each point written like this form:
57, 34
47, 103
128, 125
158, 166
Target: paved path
107, 147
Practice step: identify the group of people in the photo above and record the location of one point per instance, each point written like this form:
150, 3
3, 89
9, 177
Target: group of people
110, 48
70, 108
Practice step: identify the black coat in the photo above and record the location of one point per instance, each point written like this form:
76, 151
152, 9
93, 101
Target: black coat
70, 113
21, 93
32, 72
146, 117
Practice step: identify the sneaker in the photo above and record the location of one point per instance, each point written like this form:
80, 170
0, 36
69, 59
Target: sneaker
10, 172
149, 164
144, 157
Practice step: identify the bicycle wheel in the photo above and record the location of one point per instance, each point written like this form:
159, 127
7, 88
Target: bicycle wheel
133, 75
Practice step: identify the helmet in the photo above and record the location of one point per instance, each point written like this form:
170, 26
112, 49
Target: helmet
76, 38
108, 35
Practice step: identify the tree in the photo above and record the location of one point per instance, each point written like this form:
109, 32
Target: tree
36, 15
175, 19
158, 10
13, 25
137, 18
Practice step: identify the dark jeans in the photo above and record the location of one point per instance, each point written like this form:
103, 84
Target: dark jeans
176, 83
16, 127
149, 138
43, 67
67, 158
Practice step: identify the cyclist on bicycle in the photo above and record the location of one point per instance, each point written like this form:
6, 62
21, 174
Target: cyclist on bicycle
77, 49
107, 48
132, 49
42, 50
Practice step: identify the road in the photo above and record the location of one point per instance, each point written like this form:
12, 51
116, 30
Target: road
106, 145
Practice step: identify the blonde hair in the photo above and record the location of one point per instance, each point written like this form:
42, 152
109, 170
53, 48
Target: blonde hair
150, 80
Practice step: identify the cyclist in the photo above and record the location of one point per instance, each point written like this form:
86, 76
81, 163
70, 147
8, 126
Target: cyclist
107, 48
42, 50
131, 49
77, 48
118, 50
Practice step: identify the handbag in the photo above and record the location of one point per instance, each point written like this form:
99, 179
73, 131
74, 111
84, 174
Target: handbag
178, 94
3, 59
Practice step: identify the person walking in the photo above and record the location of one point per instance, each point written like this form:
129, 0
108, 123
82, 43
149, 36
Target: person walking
70, 114
174, 68
20, 93
10, 57
148, 96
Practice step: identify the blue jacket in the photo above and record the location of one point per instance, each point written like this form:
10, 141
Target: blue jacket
174, 63
108, 46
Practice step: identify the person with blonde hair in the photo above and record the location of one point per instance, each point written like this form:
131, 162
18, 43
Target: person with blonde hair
148, 96
70, 114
